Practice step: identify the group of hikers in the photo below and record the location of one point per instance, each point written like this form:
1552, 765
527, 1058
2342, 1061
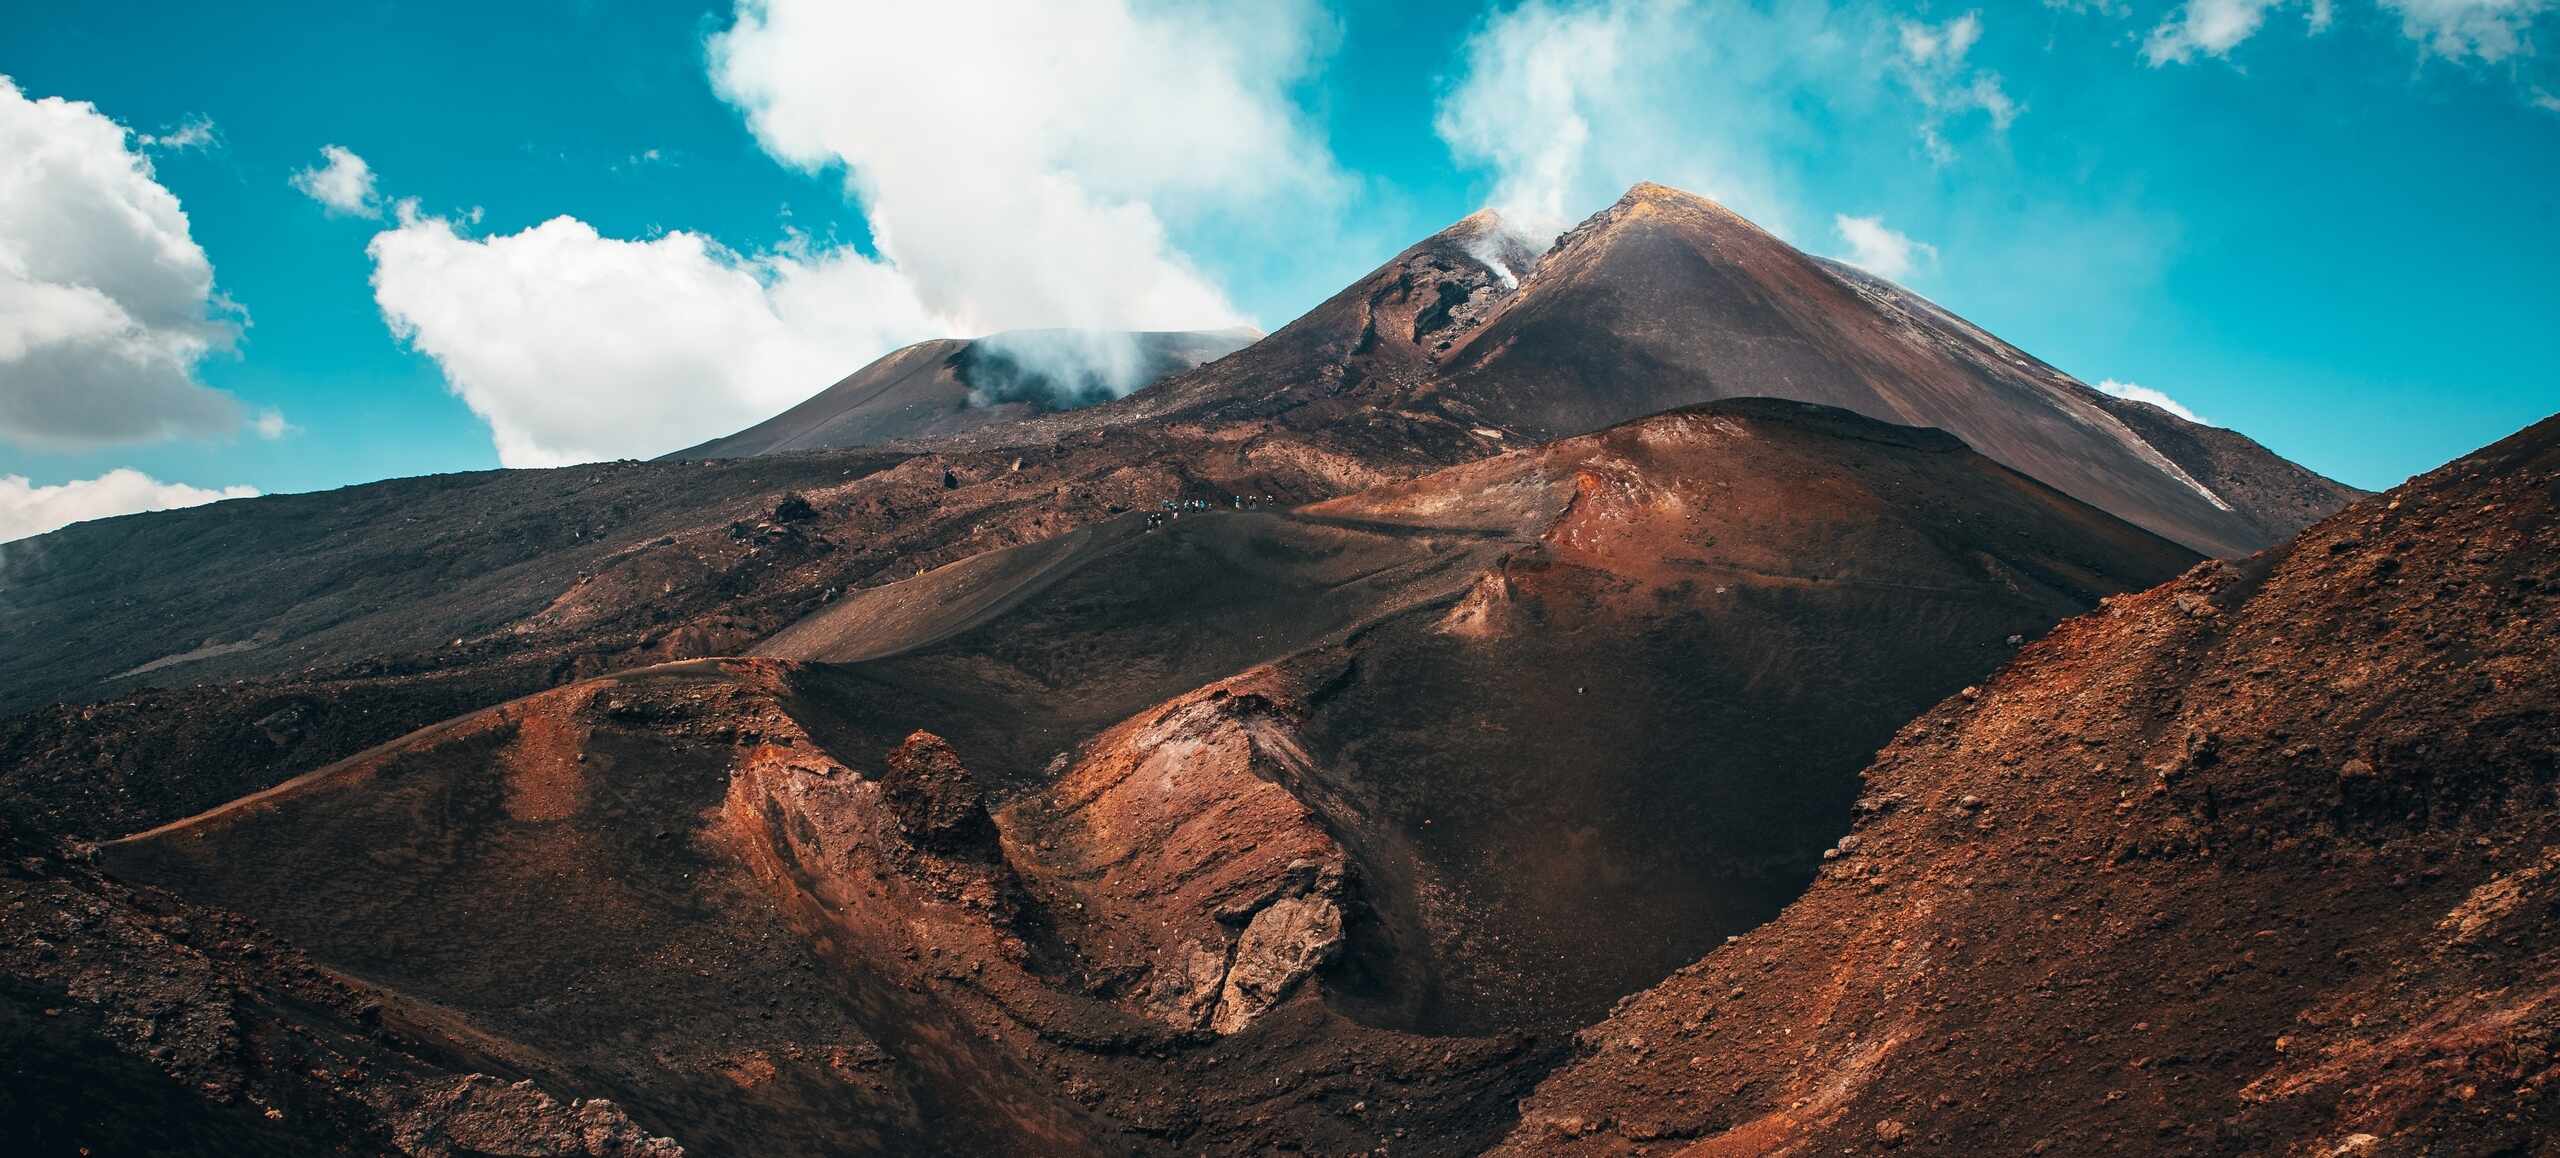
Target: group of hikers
1173, 508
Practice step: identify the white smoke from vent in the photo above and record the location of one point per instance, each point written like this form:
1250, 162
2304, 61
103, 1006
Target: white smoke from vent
2138, 393
1066, 369
1488, 249
1032, 173
1536, 77
1884, 252
1055, 369
1567, 103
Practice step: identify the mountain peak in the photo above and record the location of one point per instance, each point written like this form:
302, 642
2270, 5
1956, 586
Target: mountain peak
1657, 191
1654, 200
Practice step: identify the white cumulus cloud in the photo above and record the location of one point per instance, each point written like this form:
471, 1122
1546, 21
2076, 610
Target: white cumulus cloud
2137, 393
107, 304
27, 509
342, 183
1023, 176
577, 347
1884, 252
1018, 166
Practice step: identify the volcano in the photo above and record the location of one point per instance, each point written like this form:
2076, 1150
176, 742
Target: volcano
1654, 690
1667, 299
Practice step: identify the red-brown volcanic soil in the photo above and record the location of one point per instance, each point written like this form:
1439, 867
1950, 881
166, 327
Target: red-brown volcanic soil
1020, 877
660, 887
2260, 861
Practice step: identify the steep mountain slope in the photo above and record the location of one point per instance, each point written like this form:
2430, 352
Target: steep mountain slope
1666, 299
953, 385
2277, 496
2266, 860
1432, 767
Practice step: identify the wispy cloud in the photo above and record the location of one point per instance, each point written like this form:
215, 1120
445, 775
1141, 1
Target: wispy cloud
342, 183
2491, 30
1932, 64
194, 132
2487, 30
2205, 28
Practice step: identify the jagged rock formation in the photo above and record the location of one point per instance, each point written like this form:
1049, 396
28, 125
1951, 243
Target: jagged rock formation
2256, 862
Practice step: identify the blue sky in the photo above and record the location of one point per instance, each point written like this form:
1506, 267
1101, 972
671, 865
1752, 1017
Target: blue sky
2329, 227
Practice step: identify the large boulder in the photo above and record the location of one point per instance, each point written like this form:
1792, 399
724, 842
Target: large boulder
936, 802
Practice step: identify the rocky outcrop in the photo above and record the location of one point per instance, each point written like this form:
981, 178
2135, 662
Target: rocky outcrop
1185, 865
478, 1115
1284, 943
936, 802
